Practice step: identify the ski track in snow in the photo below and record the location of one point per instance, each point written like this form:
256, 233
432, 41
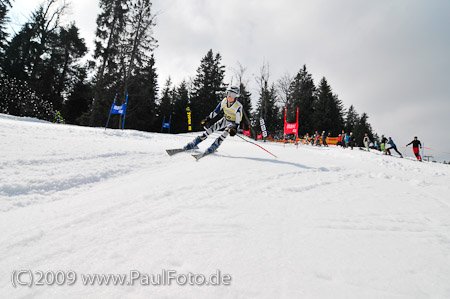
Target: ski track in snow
314, 223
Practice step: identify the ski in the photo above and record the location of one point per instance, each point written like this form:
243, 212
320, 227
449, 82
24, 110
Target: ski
174, 151
199, 156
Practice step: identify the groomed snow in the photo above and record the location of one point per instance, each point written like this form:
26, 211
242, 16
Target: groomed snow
314, 223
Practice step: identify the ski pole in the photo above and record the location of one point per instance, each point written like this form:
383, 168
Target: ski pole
256, 145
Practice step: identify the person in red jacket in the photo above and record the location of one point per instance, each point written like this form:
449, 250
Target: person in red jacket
416, 145
339, 140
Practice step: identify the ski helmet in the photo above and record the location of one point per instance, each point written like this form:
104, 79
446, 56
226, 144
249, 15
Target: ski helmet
233, 91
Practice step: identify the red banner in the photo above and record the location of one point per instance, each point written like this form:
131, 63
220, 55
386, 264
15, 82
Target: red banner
259, 137
290, 128
246, 133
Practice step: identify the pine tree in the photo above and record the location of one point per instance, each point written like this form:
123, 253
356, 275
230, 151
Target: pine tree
351, 119
124, 49
3, 34
46, 56
60, 71
141, 110
165, 107
45, 22
56, 72
24, 56
180, 104
246, 101
337, 114
302, 95
139, 43
78, 101
111, 24
362, 126
207, 88
67, 51
18, 54
327, 115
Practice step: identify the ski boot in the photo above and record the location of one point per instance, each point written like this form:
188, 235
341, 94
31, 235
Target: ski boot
193, 144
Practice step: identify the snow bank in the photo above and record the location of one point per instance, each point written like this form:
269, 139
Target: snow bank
314, 223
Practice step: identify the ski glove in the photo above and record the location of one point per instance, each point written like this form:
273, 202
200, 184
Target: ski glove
232, 131
205, 122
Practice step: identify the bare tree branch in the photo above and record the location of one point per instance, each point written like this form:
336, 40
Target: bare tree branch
283, 86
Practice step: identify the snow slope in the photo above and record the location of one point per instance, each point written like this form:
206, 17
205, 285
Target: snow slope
314, 223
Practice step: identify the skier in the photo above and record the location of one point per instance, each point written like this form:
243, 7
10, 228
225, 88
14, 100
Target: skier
416, 144
230, 121
392, 146
366, 141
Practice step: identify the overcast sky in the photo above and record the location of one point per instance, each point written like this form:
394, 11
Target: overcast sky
389, 58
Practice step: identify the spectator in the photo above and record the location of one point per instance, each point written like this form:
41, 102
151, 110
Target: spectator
383, 144
339, 140
316, 139
344, 139
351, 140
366, 141
324, 139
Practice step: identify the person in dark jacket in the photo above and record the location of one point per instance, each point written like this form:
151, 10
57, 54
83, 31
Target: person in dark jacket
351, 140
324, 139
392, 146
416, 145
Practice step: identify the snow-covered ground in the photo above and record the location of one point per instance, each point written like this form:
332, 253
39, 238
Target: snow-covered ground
314, 223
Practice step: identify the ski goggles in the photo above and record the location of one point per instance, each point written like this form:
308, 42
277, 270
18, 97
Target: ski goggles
232, 94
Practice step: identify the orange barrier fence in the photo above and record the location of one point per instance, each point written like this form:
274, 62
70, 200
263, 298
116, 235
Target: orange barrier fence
330, 140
